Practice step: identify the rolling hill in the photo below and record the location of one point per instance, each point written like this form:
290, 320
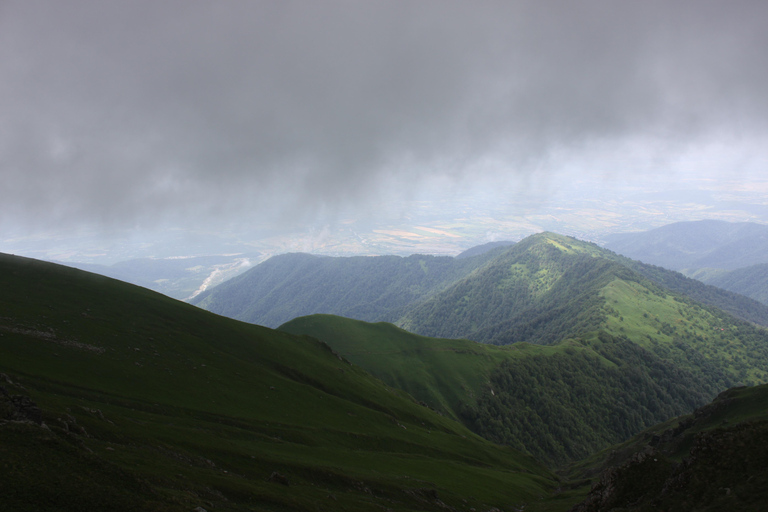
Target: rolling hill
114, 397
548, 288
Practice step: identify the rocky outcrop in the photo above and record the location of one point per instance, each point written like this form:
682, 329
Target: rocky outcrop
16, 407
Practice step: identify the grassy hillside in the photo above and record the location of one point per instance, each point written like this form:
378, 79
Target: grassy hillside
380, 288
735, 304
115, 397
442, 373
559, 403
705, 340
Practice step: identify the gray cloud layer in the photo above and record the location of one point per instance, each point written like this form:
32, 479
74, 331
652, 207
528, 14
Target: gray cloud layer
134, 111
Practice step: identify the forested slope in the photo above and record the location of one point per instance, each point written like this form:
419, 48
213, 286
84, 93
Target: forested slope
508, 293
733, 302
548, 287
366, 288
559, 403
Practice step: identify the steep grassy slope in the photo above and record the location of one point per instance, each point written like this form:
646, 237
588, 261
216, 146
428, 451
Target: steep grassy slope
446, 374
701, 339
711, 460
151, 404
735, 304
379, 288
559, 403
698, 244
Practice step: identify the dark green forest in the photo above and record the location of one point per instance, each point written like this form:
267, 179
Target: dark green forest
563, 407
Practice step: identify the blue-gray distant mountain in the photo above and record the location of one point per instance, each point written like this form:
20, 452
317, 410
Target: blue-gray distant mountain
694, 245
750, 281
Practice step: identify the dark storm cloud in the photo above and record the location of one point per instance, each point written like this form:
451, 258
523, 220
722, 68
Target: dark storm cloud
118, 112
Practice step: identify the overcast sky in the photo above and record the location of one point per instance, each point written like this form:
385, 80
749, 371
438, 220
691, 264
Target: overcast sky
140, 113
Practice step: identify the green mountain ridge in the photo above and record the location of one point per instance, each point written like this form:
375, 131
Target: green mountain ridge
559, 403
623, 352
513, 291
546, 288
117, 398
371, 288
488, 291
